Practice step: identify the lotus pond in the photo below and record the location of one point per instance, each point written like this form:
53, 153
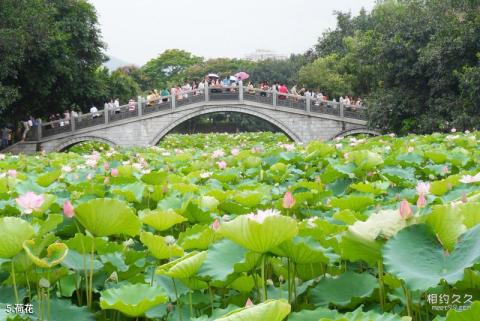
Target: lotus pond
244, 227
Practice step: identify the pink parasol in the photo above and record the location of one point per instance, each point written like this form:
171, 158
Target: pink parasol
242, 75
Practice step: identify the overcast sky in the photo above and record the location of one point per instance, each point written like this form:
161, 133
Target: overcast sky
138, 30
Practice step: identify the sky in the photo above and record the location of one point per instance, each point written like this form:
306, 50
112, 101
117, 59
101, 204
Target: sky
136, 31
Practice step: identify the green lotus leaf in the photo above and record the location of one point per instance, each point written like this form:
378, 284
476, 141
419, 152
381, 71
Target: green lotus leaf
184, 267
304, 250
198, 237
221, 259
61, 310
131, 192
359, 315
132, 299
258, 236
467, 315
161, 220
353, 202
365, 159
271, 310
104, 217
159, 247
415, 256
56, 253
447, 224
355, 248
339, 290
371, 187
13, 232
155, 178
48, 178
243, 283
247, 198
313, 315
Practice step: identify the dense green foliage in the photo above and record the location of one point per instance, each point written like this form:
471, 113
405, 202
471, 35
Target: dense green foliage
193, 228
49, 53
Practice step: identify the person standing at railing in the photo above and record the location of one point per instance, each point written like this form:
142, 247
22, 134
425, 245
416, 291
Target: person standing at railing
6, 132
250, 88
165, 95
94, 112
282, 90
131, 105
116, 106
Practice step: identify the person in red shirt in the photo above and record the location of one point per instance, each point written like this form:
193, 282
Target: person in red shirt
282, 90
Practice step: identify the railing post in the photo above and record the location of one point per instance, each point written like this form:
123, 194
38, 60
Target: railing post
173, 98
240, 91
308, 103
274, 95
139, 105
341, 110
39, 129
72, 122
105, 114
207, 97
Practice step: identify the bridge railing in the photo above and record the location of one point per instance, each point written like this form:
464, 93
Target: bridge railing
178, 100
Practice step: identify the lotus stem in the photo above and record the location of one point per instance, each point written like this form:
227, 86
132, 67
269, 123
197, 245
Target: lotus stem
90, 287
211, 297
262, 267
179, 305
153, 273
190, 303
381, 289
84, 266
407, 299
28, 287
49, 314
288, 281
15, 291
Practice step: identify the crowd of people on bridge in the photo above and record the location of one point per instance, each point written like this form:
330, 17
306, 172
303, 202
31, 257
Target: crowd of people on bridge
154, 97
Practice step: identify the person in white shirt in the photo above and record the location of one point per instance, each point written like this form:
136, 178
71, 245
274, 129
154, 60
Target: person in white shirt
94, 112
116, 106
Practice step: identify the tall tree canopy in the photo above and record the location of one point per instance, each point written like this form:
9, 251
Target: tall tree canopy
50, 51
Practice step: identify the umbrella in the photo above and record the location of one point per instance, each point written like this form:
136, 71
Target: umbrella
213, 76
242, 75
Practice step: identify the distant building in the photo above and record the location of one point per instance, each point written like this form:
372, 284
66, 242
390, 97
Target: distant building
262, 54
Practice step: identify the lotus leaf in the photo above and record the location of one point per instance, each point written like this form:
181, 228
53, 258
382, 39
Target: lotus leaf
133, 299
14, 231
184, 267
261, 236
271, 310
159, 247
104, 217
56, 253
415, 256
359, 315
161, 220
221, 259
304, 250
467, 315
339, 290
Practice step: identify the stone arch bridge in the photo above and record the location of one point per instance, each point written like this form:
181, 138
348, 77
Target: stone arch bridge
142, 124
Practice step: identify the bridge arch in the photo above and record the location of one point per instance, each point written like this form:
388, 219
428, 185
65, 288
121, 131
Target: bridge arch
80, 139
356, 131
248, 111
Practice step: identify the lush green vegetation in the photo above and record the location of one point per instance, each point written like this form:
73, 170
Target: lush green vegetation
201, 225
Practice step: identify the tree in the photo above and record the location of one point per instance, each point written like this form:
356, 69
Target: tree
50, 51
283, 71
222, 66
169, 68
111, 85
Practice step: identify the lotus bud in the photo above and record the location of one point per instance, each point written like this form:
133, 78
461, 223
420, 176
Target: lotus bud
445, 170
222, 164
421, 202
411, 149
405, 209
106, 166
464, 198
288, 200
114, 172
68, 209
216, 225
170, 307
249, 303
165, 189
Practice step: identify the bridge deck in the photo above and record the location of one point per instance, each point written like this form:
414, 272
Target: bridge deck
198, 99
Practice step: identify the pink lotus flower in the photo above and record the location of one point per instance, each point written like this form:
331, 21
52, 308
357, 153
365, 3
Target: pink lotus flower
260, 216
12, 173
30, 202
338, 146
235, 151
405, 209
411, 149
288, 200
222, 164
445, 170
66, 169
454, 130
249, 303
68, 209
423, 188
216, 225
106, 166
467, 179
91, 162
421, 202
114, 172
289, 147
218, 153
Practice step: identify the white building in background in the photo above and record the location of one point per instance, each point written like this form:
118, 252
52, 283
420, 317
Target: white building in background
262, 54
